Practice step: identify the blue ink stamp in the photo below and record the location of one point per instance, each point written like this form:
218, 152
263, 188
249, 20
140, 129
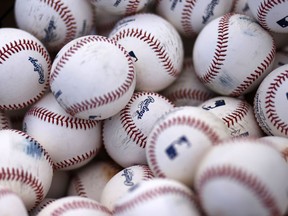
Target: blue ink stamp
209, 12
217, 103
128, 174
174, 3
171, 150
144, 106
32, 149
50, 32
38, 68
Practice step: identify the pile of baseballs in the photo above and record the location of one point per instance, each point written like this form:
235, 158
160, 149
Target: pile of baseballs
151, 107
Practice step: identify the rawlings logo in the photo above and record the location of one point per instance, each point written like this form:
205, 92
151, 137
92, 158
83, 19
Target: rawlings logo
128, 174
209, 12
174, 3
38, 68
144, 106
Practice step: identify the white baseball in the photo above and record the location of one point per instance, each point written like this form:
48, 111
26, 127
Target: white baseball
272, 15
25, 167
242, 177
56, 22
179, 140
25, 67
270, 103
40, 206
125, 134
187, 90
224, 65
90, 180
73, 206
92, 77
157, 50
158, 197
237, 114
71, 142
11, 203
120, 7
190, 16
122, 181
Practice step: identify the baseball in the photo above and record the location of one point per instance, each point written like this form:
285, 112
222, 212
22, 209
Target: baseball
40, 206
92, 77
54, 23
270, 103
26, 167
164, 196
120, 7
126, 132
190, 16
47, 122
122, 181
272, 15
187, 90
74, 205
25, 68
235, 178
11, 203
157, 50
90, 180
179, 140
227, 66
237, 114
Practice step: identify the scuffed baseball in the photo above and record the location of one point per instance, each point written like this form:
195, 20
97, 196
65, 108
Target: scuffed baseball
242, 177
226, 66
71, 142
179, 140
157, 50
126, 132
25, 68
92, 77
54, 23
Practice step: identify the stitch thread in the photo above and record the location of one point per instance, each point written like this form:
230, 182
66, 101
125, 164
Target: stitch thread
78, 186
189, 94
246, 179
186, 17
132, 7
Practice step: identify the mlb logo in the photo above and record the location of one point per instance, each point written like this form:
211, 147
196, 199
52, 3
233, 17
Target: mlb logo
283, 22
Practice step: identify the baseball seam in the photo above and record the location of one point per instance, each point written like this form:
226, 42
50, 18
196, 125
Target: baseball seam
150, 195
270, 103
129, 125
263, 10
6, 192
237, 115
132, 7
186, 17
105, 98
74, 160
147, 173
15, 47
154, 44
78, 186
189, 94
79, 204
248, 180
4, 121
220, 51
197, 124
57, 119
67, 16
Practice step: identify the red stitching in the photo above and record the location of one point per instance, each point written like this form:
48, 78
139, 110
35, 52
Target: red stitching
151, 194
67, 16
186, 17
5, 191
78, 186
4, 121
179, 120
132, 7
189, 94
220, 52
239, 113
75, 160
270, 103
16, 46
240, 176
109, 96
127, 121
154, 44
57, 119
147, 173
80, 204
263, 10
12, 174
258, 72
